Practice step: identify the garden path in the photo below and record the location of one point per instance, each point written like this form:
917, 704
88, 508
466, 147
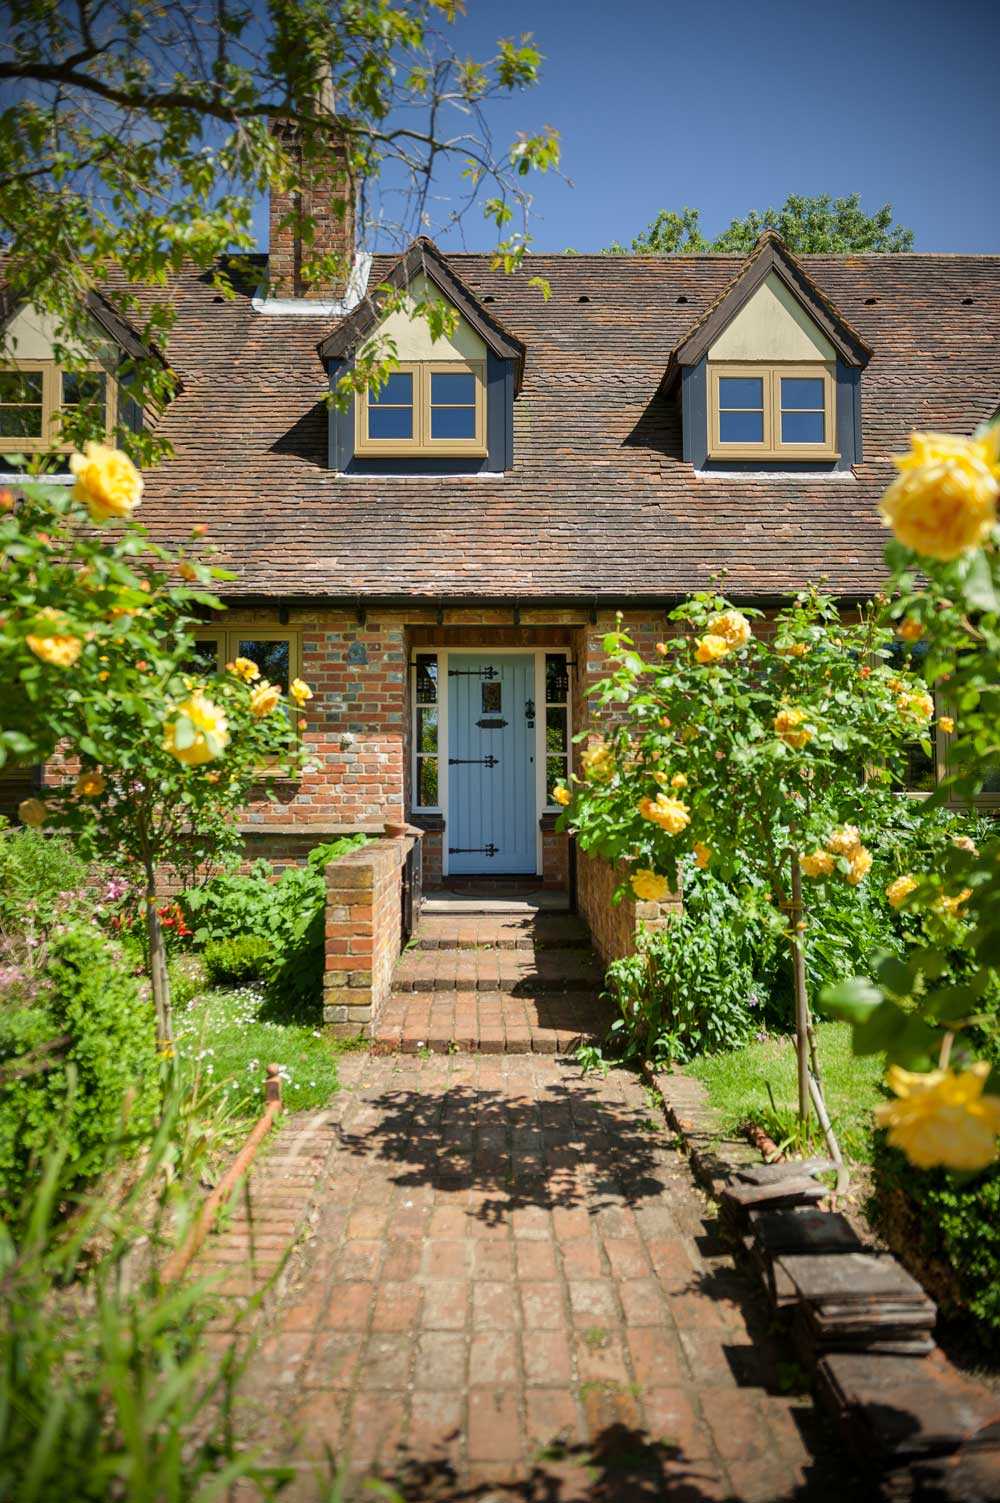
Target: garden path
512, 1290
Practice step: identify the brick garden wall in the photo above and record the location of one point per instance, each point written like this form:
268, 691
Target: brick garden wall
614, 926
363, 933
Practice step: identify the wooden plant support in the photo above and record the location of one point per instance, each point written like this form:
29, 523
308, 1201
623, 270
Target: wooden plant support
180, 1260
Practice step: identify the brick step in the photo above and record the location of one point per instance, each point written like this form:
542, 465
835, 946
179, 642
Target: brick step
519, 972
452, 1021
491, 931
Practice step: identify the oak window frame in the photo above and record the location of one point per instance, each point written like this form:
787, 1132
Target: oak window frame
50, 440
770, 374
421, 443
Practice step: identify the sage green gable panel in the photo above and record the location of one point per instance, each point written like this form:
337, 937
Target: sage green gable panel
412, 336
33, 334
772, 326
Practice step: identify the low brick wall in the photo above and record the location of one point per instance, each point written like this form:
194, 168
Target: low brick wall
363, 933
614, 926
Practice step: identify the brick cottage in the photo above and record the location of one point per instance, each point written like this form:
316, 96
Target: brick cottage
442, 561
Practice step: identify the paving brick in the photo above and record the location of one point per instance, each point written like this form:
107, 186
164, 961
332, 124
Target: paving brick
494, 1427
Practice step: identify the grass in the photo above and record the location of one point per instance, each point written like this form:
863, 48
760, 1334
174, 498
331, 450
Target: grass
232, 1035
738, 1085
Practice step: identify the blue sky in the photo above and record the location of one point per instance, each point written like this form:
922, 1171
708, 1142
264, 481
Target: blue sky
727, 105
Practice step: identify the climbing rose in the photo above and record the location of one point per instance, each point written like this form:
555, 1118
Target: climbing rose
31, 811
711, 648
648, 886
946, 724
944, 501
817, 864
669, 813
965, 843
91, 784
597, 763
58, 648
702, 854
106, 481
899, 890
733, 627
244, 668
264, 698
211, 731
678, 780
300, 691
561, 795
845, 842
948, 907
787, 725
942, 1117
915, 706
861, 865
911, 630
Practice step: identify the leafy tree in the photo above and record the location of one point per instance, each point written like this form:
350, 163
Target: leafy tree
766, 756
822, 224
96, 662
137, 137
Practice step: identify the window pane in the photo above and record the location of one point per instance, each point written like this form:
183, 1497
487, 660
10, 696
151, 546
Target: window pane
741, 391
20, 422
741, 427
204, 655
427, 674
427, 782
803, 428
453, 422
390, 422
453, 389
396, 391
271, 658
555, 730
82, 389
556, 678
20, 386
492, 697
801, 391
555, 772
427, 729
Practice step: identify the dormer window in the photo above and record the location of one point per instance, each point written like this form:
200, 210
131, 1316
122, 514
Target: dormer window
35, 396
425, 408
772, 411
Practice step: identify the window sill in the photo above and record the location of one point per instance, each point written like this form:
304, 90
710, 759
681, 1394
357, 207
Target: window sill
776, 456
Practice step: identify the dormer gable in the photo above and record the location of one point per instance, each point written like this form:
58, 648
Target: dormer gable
447, 406
770, 374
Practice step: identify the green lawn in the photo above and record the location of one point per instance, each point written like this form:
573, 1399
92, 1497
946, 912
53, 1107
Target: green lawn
232, 1036
738, 1085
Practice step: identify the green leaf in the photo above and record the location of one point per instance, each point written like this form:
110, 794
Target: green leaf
877, 1032
184, 732
852, 1000
980, 589
896, 976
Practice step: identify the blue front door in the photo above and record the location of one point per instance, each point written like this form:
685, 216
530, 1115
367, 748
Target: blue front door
491, 763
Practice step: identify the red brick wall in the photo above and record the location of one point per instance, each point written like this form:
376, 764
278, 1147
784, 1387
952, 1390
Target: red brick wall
614, 926
328, 201
363, 933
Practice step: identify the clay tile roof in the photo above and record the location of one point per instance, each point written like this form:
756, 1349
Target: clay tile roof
600, 503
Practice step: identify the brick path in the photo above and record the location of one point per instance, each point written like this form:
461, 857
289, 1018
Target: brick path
513, 1291
495, 984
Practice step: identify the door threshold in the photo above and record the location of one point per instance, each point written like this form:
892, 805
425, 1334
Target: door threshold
437, 901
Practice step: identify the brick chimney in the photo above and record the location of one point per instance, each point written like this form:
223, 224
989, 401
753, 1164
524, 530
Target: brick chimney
327, 198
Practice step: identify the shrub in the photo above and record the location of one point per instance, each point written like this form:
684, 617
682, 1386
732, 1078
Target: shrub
111, 1094
244, 957
947, 1228
40, 876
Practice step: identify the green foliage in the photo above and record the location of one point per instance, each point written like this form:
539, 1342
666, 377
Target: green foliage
287, 912
103, 1091
833, 226
242, 957
39, 876
109, 1387
141, 137
955, 1220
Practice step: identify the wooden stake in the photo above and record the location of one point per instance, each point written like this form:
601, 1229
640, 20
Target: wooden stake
801, 999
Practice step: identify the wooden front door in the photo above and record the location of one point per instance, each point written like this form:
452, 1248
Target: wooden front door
492, 817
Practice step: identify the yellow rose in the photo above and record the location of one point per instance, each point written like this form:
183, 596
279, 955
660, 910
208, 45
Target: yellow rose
31, 811
789, 728
946, 724
948, 907
561, 795
702, 854
711, 648
792, 650
669, 813
300, 691
845, 842
597, 763
944, 501
58, 648
648, 886
817, 864
244, 668
91, 784
965, 843
942, 1117
861, 865
678, 780
899, 890
911, 630
918, 707
107, 481
207, 727
732, 626
264, 698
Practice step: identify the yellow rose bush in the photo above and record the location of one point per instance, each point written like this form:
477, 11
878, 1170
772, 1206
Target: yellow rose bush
942, 1117
107, 482
944, 501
